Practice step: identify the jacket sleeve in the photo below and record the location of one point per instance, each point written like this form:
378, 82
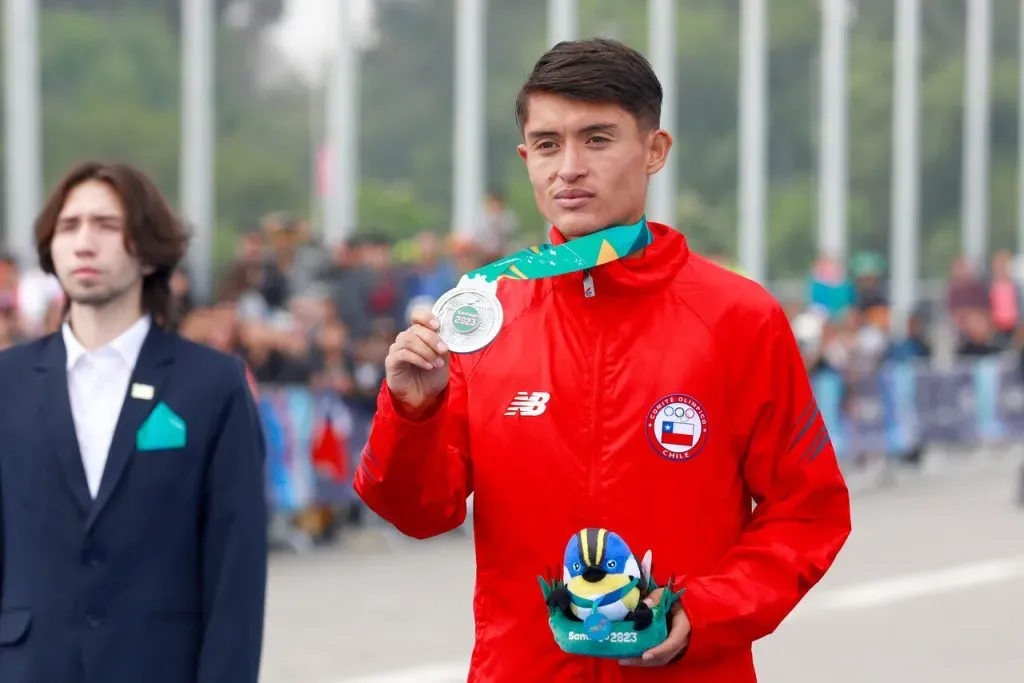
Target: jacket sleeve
235, 544
416, 474
802, 514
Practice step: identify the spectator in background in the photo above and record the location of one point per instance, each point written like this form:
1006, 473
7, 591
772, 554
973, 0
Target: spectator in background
966, 292
829, 287
431, 275
915, 344
181, 293
979, 339
9, 332
8, 281
494, 230
1004, 299
387, 297
868, 269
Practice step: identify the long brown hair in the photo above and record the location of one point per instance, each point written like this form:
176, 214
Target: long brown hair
152, 233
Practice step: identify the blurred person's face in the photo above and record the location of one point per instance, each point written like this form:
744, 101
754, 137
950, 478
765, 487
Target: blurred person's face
961, 267
223, 333
494, 204
1001, 264
179, 284
978, 326
8, 274
427, 245
378, 256
589, 163
878, 316
89, 254
251, 248
343, 255
332, 337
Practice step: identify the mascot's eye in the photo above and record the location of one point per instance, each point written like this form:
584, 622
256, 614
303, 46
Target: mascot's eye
576, 566
611, 564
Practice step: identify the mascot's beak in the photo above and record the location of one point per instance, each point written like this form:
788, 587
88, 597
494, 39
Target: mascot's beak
593, 574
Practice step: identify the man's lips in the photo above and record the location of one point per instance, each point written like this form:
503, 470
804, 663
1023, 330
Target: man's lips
571, 199
85, 272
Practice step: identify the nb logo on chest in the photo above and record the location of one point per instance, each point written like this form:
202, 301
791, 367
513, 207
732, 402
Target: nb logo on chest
529, 404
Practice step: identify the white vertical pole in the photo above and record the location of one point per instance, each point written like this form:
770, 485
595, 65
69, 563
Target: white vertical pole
1020, 134
833, 127
23, 149
563, 21
470, 137
753, 170
198, 138
661, 201
341, 202
904, 232
976, 130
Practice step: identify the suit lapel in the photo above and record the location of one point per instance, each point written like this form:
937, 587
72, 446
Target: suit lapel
55, 412
151, 369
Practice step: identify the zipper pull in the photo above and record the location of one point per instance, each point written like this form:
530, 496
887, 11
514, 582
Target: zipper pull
588, 284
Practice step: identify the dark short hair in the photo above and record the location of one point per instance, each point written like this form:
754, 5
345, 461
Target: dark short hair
596, 70
152, 232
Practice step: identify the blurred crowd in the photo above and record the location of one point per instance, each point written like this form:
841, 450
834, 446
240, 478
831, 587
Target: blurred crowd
300, 313
846, 322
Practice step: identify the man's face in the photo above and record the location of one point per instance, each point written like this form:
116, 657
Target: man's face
88, 247
589, 163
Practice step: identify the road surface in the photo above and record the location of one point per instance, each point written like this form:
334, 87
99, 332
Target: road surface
930, 588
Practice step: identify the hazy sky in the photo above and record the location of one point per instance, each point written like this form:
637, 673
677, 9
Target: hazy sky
307, 31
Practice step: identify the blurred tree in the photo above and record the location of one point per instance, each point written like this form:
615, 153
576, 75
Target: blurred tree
249, 14
112, 88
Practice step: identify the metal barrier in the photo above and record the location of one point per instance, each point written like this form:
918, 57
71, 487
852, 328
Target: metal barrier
908, 405
905, 406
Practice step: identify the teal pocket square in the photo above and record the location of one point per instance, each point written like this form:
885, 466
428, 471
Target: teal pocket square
162, 430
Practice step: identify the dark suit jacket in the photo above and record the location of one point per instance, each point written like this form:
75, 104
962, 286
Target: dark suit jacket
161, 578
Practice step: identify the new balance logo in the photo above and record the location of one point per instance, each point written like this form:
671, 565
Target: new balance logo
529, 404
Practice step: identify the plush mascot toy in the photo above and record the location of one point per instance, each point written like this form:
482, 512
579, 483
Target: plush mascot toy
597, 607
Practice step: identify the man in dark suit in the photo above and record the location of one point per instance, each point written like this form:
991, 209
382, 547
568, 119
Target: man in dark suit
134, 522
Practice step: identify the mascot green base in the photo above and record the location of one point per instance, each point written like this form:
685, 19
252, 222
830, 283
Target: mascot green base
597, 608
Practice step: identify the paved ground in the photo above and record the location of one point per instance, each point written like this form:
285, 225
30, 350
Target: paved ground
929, 588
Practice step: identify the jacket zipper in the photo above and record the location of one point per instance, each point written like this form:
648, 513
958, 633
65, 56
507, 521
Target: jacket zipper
588, 284
595, 453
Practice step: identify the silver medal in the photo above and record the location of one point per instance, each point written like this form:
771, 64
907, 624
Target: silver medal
470, 318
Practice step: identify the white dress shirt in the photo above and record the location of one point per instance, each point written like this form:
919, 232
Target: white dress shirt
97, 384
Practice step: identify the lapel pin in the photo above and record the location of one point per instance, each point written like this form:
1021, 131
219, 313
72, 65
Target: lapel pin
143, 392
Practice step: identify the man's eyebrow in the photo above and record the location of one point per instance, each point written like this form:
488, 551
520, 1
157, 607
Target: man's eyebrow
592, 128
94, 216
600, 128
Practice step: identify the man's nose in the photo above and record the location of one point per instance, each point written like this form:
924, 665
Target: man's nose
85, 239
573, 165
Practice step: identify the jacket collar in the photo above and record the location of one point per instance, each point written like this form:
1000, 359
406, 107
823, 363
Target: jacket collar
651, 269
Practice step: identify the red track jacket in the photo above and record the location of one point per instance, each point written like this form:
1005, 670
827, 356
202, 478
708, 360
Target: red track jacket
661, 408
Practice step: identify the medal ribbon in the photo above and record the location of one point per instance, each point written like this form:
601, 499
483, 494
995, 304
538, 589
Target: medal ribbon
582, 253
606, 599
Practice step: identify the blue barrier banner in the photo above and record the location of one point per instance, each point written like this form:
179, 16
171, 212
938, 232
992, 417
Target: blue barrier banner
904, 406
291, 417
907, 405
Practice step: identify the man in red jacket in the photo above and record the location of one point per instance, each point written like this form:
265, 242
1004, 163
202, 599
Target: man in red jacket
643, 389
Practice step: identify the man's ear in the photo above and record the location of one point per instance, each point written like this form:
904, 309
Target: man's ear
522, 151
148, 270
657, 155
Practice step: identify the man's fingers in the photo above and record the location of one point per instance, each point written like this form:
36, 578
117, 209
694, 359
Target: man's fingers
429, 337
408, 357
660, 654
422, 316
421, 348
